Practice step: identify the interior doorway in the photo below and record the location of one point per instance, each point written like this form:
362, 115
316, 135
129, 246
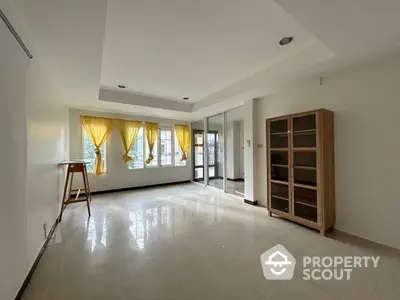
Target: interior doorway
218, 151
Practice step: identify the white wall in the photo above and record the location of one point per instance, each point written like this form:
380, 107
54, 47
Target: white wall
241, 156
118, 175
234, 149
34, 139
250, 159
367, 144
230, 150
13, 263
47, 135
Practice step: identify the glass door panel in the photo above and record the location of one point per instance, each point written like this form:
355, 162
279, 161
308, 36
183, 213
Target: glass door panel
215, 148
198, 156
198, 150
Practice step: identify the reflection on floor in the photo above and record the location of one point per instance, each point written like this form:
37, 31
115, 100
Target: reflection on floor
188, 242
232, 187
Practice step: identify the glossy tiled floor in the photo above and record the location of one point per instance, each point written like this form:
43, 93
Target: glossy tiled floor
187, 242
232, 187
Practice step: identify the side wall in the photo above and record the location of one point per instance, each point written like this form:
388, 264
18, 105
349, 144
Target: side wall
34, 140
47, 136
234, 154
118, 175
250, 158
366, 104
13, 261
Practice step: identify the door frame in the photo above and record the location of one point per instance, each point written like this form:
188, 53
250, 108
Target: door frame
215, 165
194, 145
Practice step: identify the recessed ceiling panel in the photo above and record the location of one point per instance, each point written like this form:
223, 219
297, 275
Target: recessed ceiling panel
188, 48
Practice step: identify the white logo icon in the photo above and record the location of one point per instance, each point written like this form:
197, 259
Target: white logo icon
278, 263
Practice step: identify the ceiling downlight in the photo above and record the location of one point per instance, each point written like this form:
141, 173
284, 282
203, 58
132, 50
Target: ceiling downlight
286, 41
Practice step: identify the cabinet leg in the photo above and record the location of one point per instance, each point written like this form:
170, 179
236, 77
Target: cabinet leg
270, 214
322, 232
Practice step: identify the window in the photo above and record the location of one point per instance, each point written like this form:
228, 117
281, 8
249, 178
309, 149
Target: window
166, 151
88, 153
154, 162
178, 154
166, 147
137, 152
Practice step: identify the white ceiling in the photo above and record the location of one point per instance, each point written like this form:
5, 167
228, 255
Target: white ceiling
219, 53
173, 49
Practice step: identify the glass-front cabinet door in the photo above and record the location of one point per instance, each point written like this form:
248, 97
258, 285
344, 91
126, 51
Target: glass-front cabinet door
279, 164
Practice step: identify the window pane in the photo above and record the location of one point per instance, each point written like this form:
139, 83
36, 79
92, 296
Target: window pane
136, 152
211, 172
198, 156
198, 173
88, 153
198, 138
166, 147
178, 154
154, 162
211, 148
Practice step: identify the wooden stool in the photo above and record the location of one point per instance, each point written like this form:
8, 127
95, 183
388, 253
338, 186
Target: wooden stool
75, 167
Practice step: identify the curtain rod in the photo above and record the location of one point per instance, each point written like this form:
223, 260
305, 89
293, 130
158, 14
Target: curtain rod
15, 34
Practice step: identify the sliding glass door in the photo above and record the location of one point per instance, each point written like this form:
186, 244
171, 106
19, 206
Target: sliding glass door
218, 151
215, 151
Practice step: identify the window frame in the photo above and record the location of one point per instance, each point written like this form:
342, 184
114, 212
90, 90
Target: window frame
143, 150
104, 155
159, 165
175, 141
172, 146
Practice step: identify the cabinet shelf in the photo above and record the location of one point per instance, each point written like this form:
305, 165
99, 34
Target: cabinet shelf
279, 149
279, 182
279, 166
308, 149
306, 186
280, 197
305, 132
305, 168
306, 202
279, 133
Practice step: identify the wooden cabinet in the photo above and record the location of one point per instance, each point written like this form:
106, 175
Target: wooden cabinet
300, 168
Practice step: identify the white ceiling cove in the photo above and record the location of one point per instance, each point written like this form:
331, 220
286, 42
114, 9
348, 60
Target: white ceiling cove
173, 49
219, 53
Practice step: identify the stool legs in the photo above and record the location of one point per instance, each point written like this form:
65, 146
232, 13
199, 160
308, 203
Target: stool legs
87, 192
64, 195
87, 182
75, 168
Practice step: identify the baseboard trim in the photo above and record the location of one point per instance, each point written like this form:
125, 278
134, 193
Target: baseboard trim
250, 202
230, 179
235, 179
37, 260
362, 242
136, 188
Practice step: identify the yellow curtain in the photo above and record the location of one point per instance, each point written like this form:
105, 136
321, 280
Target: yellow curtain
151, 134
183, 135
98, 130
128, 130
